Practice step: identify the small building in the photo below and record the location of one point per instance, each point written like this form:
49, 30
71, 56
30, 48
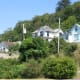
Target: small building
4, 46
73, 34
47, 33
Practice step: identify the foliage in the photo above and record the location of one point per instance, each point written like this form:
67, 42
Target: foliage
33, 48
13, 47
67, 48
9, 69
59, 68
67, 24
53, 46
31, 70
69, 13
62, 5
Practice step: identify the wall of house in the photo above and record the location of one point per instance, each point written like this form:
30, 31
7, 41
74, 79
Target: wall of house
51, 35
70, 38
46, 36
74, 36
76, 33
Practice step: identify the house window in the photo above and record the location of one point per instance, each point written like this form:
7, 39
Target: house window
66, 37
41, 33
76, 37
47, 33
35, 34
76, 28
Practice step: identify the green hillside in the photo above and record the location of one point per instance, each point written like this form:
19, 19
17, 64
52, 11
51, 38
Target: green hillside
69, 14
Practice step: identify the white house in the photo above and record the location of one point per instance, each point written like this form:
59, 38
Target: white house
47, 33
73, 34
4, 47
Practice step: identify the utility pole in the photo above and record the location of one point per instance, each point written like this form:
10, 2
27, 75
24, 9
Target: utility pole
24, 32
59, 36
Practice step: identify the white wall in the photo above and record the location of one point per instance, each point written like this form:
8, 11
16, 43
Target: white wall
50, 37
70, 38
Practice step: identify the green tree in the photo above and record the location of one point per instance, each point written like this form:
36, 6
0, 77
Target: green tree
59, 68
76, 9
69, 49
68, 23
62, 5
33, 48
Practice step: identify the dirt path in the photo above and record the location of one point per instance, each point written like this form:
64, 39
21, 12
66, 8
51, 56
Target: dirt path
6, 56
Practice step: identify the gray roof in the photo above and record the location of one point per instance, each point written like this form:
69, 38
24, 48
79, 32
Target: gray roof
77, 25
47, 28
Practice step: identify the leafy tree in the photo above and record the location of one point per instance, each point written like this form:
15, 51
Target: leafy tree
33, 48
9, 35
59, 68
69, 49
70, 14
69, 11
68, 23
13, 48
62, 5
76, 9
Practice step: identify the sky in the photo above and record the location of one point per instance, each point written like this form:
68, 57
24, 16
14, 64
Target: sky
13, 11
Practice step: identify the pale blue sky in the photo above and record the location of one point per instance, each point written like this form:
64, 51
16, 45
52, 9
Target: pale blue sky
12, 11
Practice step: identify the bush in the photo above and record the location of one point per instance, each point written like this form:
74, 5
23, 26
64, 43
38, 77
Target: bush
61, 68
32, 70
69, 49
10, 69
33, 48
14, 47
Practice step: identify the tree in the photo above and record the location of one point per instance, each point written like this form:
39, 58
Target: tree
69, 49
33, 48
69, 22
76, 8
59, 68
62, 5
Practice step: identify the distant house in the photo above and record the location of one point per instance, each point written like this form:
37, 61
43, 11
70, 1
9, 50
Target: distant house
4, 46
73, 34
47, 33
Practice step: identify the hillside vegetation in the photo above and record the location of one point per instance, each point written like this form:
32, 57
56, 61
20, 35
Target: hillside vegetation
69, 14
39, 58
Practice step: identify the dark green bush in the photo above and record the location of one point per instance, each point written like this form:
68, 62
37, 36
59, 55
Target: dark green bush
32, 70
59, 68
69, 49
33, 48
14, 47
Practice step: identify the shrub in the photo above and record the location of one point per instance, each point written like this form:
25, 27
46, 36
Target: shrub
10, 69
69, 49
61, 68
13, 47
32, 70
33, 48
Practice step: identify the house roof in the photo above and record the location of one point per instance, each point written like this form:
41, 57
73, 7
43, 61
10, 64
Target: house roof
44, 28
47, 28
77, 25
69, 30
57, 30
7, 44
